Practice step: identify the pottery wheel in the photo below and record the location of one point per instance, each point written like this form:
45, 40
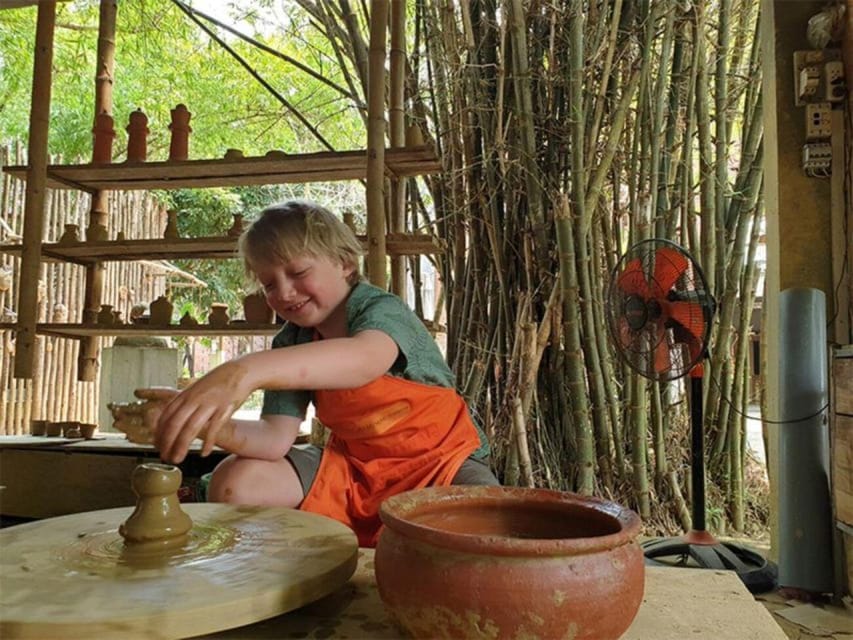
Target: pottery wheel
73, 577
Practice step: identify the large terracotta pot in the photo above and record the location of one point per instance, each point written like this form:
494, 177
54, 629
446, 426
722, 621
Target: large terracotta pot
500, 562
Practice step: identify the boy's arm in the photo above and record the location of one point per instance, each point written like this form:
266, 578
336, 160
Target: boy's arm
206, 406
269, 438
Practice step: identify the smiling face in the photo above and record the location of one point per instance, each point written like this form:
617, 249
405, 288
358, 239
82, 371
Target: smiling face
309, 291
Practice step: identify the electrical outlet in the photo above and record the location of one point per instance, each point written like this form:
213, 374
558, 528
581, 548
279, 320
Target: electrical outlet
809, 87
818, 121
833, 75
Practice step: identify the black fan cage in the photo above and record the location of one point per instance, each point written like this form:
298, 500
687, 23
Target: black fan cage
659, 310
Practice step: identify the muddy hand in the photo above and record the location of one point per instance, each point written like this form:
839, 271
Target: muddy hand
201, 410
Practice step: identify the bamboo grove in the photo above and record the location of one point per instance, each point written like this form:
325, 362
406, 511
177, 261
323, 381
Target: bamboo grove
570, 130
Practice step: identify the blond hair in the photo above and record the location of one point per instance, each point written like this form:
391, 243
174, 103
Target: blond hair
294, 228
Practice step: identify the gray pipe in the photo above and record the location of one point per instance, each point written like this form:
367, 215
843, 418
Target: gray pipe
805, 513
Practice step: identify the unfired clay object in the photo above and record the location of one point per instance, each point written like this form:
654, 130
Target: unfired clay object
129, 418
218, 315
137, 137
256, 309
502, 563
104, 134
158, 522
180, 128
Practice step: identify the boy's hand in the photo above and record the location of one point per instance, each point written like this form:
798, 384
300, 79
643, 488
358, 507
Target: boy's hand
201, 410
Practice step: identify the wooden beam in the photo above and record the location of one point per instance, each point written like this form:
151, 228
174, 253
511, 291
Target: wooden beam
34, 200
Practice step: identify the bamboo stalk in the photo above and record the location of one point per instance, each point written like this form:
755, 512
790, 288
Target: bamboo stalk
35, 190
376, 253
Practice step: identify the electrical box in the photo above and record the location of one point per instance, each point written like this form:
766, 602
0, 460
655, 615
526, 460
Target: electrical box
817, 159
818, 76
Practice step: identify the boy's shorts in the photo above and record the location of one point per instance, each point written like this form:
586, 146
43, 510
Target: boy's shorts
305, 459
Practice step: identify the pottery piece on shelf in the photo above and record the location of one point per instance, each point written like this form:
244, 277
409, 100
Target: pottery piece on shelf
276, 154
233, 154
180, 128
105, 315
237, 226
137, 137
120, 236
96, 233
187, 320
158, 522
256, 310
71, 429
161, 312
88, 429
38, 427
53, 429
171, 230
218, 315
103, 136
452, 562
71, 234
90, 316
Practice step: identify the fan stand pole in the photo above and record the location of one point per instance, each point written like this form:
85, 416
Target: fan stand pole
697, 545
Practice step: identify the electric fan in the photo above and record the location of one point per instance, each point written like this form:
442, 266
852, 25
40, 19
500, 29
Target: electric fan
659, 314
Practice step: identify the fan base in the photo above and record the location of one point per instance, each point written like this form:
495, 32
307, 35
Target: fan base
700, 550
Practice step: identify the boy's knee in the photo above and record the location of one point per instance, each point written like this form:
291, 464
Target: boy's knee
230, 481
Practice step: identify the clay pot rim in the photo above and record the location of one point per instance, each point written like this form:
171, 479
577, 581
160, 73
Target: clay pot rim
395, 510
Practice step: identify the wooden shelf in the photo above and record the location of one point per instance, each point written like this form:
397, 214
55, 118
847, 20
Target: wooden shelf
129, 330
396, 244
324, 166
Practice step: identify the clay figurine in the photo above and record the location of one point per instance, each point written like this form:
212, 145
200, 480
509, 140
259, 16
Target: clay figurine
187, 320
171, 230
96, 232
157, 523
105, 315
137, 137
256, 310
71, 235
237, 227
104, 134
161, 312
218, 315
180, 128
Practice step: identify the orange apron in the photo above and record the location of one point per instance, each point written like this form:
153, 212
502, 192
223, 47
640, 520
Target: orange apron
389, 436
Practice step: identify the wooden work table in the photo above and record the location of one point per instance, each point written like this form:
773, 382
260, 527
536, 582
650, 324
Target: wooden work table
679, 604
44, 477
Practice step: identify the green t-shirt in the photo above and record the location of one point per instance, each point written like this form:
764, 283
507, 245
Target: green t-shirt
369, 307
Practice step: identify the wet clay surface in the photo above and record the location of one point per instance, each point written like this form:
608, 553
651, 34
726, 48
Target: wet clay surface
237, 565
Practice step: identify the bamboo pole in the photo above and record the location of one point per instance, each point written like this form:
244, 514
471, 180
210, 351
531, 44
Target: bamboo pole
25, 348
376, 253
87, 364
397, 124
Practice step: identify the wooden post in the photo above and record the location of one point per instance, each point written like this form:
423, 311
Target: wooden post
87, 360
25, 349
376, 145
397, 123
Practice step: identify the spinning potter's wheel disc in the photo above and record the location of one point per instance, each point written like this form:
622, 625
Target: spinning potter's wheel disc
73, 577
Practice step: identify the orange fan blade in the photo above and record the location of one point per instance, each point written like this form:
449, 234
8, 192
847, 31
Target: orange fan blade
632, 280
689, 315
662, 361
669, 265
